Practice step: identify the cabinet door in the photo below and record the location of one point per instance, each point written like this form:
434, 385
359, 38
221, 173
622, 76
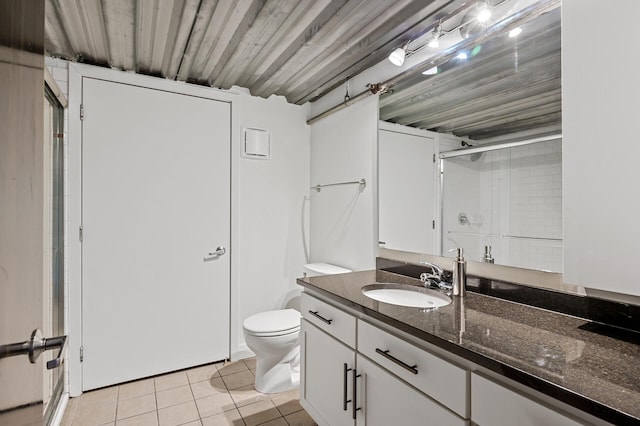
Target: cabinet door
323, 381
493, 404
385, 400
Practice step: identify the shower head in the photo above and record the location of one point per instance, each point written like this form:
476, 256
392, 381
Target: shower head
473, 157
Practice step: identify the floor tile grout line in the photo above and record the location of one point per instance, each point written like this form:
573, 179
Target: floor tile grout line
156, 397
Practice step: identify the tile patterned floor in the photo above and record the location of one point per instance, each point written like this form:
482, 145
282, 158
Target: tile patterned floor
210, 395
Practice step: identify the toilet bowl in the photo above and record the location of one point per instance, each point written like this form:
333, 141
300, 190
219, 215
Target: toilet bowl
274, 337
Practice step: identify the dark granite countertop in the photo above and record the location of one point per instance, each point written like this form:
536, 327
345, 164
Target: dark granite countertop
581, 363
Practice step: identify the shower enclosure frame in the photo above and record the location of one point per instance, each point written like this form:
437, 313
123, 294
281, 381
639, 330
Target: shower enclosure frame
473, 150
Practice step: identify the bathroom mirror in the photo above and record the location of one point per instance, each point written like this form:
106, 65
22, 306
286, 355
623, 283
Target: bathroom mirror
506, 89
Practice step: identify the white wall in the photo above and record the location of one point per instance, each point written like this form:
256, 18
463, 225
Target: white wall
268, 220
267, 244
343, 218
601, 152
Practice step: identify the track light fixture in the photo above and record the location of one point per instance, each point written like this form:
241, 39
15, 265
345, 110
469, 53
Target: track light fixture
435, 36
476, 19
398, 55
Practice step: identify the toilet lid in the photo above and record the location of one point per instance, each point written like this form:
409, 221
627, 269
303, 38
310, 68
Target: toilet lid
273, 322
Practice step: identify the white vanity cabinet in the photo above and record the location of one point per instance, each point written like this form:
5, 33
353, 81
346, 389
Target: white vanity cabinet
405, 382
385, 393
326, 378
328, 360
495, 405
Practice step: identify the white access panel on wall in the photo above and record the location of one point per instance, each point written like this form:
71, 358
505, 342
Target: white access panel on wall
156, 230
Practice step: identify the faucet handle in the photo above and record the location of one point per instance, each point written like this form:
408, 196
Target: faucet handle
435, 269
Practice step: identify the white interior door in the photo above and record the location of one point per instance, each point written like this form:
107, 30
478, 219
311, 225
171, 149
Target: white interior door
156, 201
406, 207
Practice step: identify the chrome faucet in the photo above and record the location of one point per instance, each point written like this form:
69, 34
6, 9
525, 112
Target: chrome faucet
434, 279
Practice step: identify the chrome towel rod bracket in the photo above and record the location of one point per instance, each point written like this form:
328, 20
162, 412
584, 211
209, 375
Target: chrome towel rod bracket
361, 182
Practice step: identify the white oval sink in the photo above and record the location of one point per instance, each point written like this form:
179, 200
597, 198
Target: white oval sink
406, 295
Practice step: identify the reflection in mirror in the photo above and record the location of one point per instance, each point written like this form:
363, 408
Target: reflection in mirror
506, 89
504, 206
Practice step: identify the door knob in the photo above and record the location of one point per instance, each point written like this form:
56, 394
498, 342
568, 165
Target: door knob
34, 348
220, 251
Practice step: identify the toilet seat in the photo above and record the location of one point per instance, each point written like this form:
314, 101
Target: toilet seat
273, 323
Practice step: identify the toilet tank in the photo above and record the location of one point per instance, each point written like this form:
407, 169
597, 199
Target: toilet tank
315, 269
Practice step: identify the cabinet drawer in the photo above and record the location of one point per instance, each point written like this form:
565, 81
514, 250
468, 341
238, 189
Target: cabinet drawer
493, 404
337, 323
441, 380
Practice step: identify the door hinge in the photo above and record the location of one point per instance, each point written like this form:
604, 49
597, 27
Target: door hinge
434, 158
81, 353
80, 233
433, 224
81, 111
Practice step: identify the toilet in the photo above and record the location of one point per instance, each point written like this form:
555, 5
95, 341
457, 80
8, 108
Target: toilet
273, 337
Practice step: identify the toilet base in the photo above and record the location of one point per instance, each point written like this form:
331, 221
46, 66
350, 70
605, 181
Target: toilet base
273, 376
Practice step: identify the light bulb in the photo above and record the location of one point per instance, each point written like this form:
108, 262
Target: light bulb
484, 14
430, 71
462, 55
397, 56
435, 37
515, 32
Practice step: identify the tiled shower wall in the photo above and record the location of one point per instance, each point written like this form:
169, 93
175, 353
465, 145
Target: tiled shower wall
512, 199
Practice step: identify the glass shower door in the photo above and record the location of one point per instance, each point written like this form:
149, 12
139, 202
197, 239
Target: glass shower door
54, 286
505, 200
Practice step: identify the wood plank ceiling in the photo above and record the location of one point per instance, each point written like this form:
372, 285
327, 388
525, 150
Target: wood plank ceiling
302, 49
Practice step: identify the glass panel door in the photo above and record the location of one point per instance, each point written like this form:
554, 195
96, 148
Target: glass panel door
54, 291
